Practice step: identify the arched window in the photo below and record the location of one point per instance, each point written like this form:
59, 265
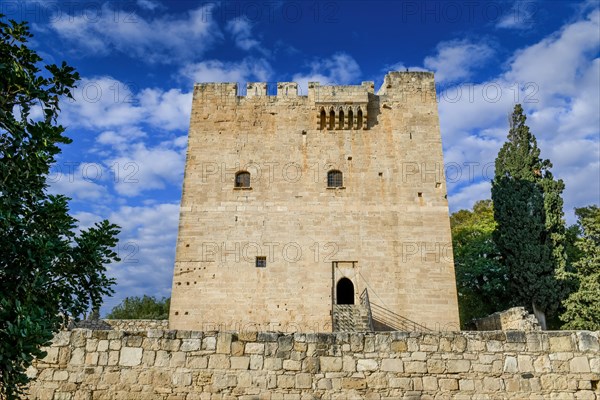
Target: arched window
323, 120
331, 119
345, 291
335, 179
341, 120
242, 179
359, 118
350, 119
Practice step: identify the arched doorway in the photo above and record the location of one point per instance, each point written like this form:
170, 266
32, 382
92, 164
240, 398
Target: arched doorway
345, 291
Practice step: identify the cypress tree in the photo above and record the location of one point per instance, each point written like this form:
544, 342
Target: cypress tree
530, 231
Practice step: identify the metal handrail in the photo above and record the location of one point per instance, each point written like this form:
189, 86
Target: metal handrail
364, 300
389, 318
395, 321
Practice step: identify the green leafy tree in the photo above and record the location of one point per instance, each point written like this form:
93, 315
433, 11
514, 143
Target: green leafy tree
47, 271
573, 233
481, 278
146, 307
530, 234
582, 307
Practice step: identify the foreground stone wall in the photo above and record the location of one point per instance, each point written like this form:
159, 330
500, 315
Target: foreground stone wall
137, 324
157, 364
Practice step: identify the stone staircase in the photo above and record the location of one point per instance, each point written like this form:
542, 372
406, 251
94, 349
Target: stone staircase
350, 318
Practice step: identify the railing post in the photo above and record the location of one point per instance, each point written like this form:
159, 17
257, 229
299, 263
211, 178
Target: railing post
364, 300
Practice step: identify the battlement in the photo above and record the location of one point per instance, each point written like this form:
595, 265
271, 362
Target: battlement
395, 83
401, 83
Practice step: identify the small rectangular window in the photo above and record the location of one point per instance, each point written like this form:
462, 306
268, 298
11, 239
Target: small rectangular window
261, 262
334, 179
242, 179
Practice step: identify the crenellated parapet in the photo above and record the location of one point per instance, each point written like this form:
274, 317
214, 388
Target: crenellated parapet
342, 100
408, 86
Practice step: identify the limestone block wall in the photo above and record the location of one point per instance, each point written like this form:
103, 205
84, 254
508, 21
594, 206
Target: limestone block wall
186, 365
137, 324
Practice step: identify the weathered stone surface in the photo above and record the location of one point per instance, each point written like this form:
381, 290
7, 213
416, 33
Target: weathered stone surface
218, 361
330, 363
367, 365
579, 364
130, 356
392, 365
415, 367
240, 362
154, 370
237, 348
255, 348
292, 365
430, 383
510, 364
456, 366
303, 381
209, 343
448, 384
515, 319
224, 343
77, 356
190, 344
354, 383
563, 342
588, 341
436, 366
256, 362
137, 325
389, 139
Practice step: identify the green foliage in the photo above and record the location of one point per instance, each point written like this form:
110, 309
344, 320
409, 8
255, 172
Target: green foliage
481, 278
530, 234
572, 235
141, 308
583, 305
47, 272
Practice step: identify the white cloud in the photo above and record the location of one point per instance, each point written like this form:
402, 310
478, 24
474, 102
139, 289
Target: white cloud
140, 168
557, 63
169, 110
456, 59
107, 103
86, 220
149, 5
241, 30
120, 139
466, 197
147, 251
164, 39
521, 15
557, 82
247, 70
101, 102
125, 119
79, 181
339, 69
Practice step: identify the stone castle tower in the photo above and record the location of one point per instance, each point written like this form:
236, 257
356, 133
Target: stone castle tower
315, 213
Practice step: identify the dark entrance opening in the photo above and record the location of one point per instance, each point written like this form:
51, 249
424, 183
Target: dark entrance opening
345, 291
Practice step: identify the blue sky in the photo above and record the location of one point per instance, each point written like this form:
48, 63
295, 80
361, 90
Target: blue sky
139, 60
